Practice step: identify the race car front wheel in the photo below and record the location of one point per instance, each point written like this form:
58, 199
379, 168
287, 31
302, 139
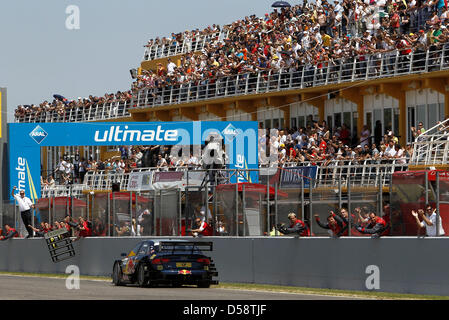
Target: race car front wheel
117, 275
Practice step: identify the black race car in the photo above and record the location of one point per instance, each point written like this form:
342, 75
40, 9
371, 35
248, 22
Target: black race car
175, 262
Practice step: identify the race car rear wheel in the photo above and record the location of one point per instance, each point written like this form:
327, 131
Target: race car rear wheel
204, 284
142, 279
117, 275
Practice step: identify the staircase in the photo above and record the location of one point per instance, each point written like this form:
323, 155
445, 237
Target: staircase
431, 148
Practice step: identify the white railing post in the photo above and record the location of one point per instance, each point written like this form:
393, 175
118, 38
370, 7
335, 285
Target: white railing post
354, 68
396, 61
258, 81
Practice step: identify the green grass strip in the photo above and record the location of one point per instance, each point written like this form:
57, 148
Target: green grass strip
273, 288
332, 292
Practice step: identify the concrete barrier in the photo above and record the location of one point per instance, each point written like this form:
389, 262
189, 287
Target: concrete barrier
405, 265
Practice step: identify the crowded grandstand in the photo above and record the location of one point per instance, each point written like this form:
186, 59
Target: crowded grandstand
293, 48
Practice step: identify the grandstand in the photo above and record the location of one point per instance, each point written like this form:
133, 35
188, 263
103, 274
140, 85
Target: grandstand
352, 99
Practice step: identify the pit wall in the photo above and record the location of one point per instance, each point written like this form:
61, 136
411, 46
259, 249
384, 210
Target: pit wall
401, 265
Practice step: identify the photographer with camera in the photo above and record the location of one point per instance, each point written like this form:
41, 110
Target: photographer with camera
296, 226
202, 229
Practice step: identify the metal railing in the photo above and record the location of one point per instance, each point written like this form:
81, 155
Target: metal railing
432, 147
361, 173
74, 190
95, 112
351, 69
245, 210
368, 67
186, 45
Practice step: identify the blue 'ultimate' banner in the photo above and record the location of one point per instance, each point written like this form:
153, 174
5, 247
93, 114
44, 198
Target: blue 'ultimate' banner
26, 139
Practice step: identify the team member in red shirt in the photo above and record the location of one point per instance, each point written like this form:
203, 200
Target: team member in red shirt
296, 226
338, 225
10, 233
203, 229
84, 230
377, 226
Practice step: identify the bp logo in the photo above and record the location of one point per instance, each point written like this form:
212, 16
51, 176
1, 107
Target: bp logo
38, 134
230, 132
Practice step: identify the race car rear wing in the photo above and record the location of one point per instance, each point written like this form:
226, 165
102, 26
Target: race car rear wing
185, 246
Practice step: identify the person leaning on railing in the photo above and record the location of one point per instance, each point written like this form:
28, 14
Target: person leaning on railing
297, 227
377, 226
336, 224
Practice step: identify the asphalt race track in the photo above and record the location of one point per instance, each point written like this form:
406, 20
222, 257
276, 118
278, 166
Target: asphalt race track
35, 288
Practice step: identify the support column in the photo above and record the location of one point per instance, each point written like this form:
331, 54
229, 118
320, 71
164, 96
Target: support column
247, 106
190, 113
316, 100
396, 91
440, 85
446, 104
217, 109
283, 103
354, 95
163, 115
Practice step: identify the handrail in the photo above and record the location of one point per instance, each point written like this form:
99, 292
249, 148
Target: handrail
95, 112
366, 67
432, 147
172, 48
362, 173
305, 76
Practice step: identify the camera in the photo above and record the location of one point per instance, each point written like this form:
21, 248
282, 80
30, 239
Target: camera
280, 227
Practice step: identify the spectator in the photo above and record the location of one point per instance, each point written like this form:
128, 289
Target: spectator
428, 220
145, 220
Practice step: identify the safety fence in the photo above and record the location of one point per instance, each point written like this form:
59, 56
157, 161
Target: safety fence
249, 209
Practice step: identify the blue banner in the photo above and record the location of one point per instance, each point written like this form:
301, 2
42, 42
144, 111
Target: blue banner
291, 177
25, 140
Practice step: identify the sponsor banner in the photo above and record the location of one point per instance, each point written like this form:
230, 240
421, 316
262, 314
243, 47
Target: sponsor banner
241, 145
291, 177
168, 176
140, 181
22, 171
239, 138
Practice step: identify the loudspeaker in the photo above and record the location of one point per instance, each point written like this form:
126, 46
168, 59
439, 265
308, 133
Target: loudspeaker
116, 187
133, 73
